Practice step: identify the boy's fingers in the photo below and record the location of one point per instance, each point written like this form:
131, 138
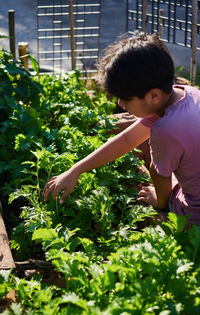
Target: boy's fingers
55, 185
47, 187
144, 199
144, 190
49, 182
140, 199
47, 191
142, 193
65, 194
46, 194
56, 191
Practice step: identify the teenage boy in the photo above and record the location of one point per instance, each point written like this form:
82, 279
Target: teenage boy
139, 71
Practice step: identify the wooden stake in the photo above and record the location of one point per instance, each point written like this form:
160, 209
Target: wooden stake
193, 64
23, 53
11, 22
72, 35
144, 15
160, 25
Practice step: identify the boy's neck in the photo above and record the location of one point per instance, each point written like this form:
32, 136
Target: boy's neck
174, 96
177, 94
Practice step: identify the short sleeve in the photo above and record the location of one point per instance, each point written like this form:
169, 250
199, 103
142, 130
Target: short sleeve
166, 152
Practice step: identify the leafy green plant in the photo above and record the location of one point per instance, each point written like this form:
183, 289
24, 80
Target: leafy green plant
108, 264
150, 275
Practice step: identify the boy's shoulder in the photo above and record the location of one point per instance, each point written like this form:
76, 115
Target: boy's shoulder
190, 90
184, 112
190, 101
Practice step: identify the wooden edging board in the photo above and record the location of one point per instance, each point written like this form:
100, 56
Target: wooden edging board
6, 259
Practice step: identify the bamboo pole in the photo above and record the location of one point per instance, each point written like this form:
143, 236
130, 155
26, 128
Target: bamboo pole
11, 23
144, 15
193, 64
72, 35
23, 53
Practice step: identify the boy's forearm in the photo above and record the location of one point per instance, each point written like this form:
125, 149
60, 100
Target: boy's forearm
114, 148
163, 187
103, 155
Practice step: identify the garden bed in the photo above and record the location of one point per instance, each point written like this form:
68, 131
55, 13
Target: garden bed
122, 121
101, 260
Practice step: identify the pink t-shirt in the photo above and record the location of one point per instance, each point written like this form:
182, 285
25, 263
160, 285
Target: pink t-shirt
175, 148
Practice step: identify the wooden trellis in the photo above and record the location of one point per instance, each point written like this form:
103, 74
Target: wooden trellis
68, 33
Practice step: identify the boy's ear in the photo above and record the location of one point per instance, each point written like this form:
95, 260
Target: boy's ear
155, 96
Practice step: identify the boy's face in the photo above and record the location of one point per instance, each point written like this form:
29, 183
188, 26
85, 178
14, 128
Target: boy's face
135, 106
142, 108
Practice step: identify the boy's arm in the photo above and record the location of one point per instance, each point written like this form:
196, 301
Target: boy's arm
124, 142
163, 187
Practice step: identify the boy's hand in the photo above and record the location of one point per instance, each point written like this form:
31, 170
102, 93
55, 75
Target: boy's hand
148, 195
65, 181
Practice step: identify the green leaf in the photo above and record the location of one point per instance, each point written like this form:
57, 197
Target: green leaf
73, 298
35, 64
41, 235
184, 268
17, 309
176, 223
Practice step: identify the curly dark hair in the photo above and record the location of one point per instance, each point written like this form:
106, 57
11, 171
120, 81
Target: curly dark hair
134, 65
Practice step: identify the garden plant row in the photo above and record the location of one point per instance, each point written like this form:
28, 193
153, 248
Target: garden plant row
94, 241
